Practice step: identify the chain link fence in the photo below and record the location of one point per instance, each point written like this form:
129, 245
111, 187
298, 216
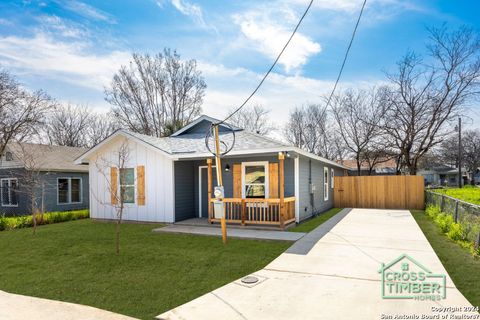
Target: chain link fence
464, 213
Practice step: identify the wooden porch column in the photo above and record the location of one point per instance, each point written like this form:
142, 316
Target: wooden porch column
209, 183
281, 158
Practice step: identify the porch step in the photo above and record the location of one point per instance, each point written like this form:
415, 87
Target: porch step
203, 222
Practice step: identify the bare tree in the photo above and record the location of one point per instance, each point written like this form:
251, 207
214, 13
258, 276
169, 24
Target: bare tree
22, 113
310, 128
255, 119
156, 95
68, 125
32, 178
356, 114
100, 127
425, 95
471, 152
115, 172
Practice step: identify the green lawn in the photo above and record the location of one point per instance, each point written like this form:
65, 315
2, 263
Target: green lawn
467, 193
311, 224
75, 262
462, 267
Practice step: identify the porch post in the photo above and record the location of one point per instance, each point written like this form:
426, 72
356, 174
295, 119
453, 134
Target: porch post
281, 158
209, 183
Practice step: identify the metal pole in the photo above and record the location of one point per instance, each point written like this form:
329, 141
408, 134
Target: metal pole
459, 152
218, 164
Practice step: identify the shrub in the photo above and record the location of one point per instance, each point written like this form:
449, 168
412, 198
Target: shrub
10, 223
432, 211
456, 232
444, 221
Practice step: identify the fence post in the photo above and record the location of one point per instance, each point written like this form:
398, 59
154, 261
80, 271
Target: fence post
442, 202
477, 242
244, 208
456, 211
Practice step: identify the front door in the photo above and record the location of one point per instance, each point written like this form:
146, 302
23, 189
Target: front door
204, 190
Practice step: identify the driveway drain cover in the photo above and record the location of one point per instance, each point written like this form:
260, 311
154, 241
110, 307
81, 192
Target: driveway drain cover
250, 280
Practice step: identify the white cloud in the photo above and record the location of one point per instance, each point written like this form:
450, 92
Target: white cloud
269, 36
71, 62
61, 27
87, 11
191, 10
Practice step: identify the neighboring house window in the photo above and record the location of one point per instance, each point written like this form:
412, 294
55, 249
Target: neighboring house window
8, 156
69, 190
8, 188
255, 179
325, 183
332, 176
127, 185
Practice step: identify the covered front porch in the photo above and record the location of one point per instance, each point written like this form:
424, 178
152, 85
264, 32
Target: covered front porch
259, 190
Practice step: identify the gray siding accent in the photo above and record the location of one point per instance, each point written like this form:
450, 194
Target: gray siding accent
202, 128
311, 204
184, 190
187, 191
50, 201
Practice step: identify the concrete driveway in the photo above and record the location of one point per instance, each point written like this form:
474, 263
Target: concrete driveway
333, 273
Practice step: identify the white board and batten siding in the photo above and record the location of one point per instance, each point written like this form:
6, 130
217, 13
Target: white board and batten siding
159, 191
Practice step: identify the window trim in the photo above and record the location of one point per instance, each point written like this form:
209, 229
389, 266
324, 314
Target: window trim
325, 184
332, 178
70, 191
265, 164
1, 193
134, 203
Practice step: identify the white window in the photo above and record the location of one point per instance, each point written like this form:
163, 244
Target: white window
69, 190
325, 183
8, 188
255, 179
127, 185
332, 176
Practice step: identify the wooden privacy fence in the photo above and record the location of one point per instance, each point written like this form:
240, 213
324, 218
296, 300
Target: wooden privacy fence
382, 192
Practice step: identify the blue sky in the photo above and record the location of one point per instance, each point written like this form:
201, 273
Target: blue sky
71, 48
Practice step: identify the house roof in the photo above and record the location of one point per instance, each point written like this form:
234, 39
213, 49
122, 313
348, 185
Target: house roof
45, 157
352, 164
200, 119
185, 145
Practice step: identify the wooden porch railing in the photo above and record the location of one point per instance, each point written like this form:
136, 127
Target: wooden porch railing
258, 211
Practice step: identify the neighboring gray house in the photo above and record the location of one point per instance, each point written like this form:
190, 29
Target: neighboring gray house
46, 172
441, 176
166, 179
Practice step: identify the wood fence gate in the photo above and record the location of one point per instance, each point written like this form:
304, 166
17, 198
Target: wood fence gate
382, 192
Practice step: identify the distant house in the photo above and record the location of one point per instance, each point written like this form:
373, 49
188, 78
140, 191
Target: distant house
167, 179
441, 176
60, 185
388, 167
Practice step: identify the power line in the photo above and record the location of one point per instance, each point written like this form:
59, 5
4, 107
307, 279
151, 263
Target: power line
346, 54
271, 68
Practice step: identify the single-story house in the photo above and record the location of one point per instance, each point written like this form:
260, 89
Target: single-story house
45, 172
442, 176
384, 168
172, 178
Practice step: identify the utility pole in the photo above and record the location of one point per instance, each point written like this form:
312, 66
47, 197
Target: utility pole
459, 152
219, 195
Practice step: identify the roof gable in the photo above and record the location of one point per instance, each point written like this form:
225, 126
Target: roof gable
201, 125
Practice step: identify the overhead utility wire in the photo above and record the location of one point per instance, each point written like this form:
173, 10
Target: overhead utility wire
346, 54
271, 68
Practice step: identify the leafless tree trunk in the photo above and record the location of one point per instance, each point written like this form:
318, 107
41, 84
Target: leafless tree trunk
156, 95
426, 95
255, 119
122, 155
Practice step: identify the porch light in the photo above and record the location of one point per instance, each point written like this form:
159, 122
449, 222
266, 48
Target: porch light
227, 167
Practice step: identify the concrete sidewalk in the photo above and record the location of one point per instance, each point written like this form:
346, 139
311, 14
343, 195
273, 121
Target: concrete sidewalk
335, 278
233, 232
18, 307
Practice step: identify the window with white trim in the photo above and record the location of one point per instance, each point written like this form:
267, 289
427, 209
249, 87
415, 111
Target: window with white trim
8, 188
325, 183
127, 185
332, 176
69, 190
255, 179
